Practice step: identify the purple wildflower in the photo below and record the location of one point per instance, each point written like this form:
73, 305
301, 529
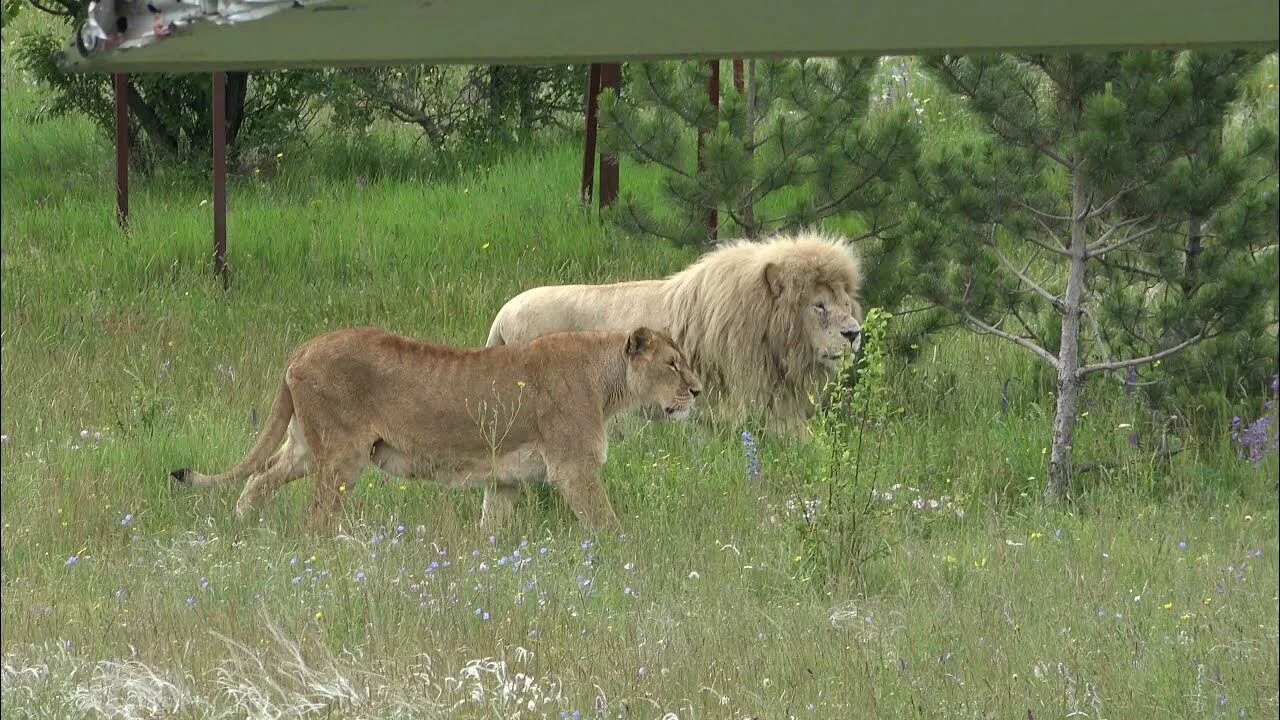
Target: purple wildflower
752, 454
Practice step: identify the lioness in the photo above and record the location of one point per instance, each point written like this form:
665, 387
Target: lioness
466, 416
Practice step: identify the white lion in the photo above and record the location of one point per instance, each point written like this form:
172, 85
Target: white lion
765, 324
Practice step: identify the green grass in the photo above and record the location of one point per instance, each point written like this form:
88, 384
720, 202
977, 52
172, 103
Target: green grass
170, 608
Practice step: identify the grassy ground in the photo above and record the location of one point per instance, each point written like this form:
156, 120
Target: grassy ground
126, 597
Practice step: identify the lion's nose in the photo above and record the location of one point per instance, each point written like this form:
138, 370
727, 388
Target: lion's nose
851, 335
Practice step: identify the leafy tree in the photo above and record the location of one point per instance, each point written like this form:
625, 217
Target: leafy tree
1101, 220
451, 105
171, 111
8, 11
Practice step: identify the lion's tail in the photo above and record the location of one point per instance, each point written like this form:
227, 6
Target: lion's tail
272, 433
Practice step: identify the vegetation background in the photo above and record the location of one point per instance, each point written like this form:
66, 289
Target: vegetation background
1154, 593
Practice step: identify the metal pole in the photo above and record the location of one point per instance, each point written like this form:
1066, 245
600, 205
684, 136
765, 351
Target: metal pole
589, 140
738, 76
220, 175
122, 149
713, 94
610, 77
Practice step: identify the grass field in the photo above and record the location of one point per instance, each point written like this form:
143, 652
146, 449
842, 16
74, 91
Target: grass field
1155, 596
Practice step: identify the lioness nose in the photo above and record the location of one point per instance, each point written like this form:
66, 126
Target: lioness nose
851, 335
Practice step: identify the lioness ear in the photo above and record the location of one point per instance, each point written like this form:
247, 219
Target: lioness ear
773, 279
639, 340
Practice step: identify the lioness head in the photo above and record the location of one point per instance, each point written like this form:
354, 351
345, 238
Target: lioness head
658, 372
826, 312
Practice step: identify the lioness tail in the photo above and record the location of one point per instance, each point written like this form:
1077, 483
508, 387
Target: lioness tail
272, 433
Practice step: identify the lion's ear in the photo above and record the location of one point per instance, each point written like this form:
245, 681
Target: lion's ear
773, 279
639, 340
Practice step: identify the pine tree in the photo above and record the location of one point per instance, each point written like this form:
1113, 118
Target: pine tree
1100, 219
796, 146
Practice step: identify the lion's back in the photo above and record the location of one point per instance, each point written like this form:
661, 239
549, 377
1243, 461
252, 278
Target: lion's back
617, 307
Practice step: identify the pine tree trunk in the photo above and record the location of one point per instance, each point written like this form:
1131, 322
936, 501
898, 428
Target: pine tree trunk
1195, 246
747, 211
1064, 417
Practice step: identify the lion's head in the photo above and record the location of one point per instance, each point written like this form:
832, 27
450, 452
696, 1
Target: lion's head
659, 373
768, 321
824, 309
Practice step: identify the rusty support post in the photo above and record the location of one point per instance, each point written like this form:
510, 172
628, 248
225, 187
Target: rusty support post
220, 175
122, 148
739, 81
589, 137
610, 77
713, 95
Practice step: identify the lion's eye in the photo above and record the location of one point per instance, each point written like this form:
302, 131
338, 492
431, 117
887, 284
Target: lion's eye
820, 307
671, 364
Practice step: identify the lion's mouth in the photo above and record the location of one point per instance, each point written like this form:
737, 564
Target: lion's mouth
678, 413
830, 358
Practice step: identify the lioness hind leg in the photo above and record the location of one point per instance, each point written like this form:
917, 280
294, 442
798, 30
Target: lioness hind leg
292, 462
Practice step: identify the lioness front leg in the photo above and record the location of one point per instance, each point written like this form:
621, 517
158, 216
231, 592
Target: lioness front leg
334, 478
582, 489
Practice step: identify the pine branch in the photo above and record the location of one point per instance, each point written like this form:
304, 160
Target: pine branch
1027, 327
1113, 265
1110, 203
1087, 369
665, 100
1016, 339
1021, 275
1097, 249
643, 151
1097, 333
1041, 213
971, 92
1055, 250
645, 227
868, 174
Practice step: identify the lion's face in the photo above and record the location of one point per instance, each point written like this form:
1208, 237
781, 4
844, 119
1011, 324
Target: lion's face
829, 318
658, 372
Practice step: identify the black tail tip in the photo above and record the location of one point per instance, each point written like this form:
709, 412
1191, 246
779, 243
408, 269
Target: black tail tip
181, 475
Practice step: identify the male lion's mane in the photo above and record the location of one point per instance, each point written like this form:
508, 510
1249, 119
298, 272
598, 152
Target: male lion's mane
748, 345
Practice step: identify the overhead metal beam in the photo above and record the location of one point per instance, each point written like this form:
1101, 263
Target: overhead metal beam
244, 35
